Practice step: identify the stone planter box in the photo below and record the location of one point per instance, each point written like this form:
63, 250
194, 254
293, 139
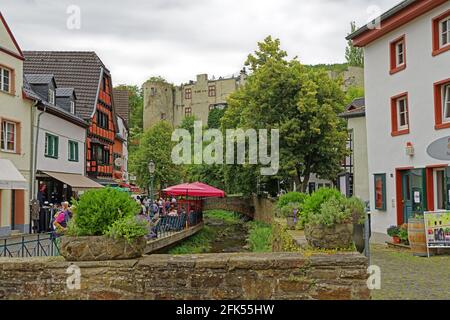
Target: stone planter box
100, 248
338, 236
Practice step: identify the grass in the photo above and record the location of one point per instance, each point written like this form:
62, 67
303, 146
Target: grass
260, 237
227, 216
198, 243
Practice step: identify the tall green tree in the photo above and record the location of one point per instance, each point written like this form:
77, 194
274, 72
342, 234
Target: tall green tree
354, 55
156, 145
302, 103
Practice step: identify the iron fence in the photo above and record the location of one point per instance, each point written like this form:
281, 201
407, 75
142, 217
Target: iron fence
39, 245
168, 225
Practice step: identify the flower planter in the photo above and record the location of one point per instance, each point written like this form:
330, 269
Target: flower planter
100, 248
396, 240
291, 222
417, 237
334, 237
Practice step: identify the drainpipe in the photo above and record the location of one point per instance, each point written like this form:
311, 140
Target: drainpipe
35, 150
31, 183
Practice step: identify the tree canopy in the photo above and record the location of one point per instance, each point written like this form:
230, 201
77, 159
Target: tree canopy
354, 55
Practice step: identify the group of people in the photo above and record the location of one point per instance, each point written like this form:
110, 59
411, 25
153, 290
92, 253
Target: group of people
162, 206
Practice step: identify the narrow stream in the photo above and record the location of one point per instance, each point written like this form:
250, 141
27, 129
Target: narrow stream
230, 237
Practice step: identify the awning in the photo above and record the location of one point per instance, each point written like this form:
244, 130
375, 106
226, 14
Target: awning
76, 181
10, 177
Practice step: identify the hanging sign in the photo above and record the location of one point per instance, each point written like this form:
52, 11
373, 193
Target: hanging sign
440, 149
437, 228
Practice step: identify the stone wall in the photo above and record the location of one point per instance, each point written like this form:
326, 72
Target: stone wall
257, 208
210, 276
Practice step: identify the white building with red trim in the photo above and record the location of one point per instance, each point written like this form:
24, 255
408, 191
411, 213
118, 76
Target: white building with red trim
407, 88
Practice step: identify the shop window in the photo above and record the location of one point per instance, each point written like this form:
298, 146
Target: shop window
5, 80
9, 136
51, 146
400, 115
441, 33
380, 192
212, 91
442, 104
398, 55
73, 151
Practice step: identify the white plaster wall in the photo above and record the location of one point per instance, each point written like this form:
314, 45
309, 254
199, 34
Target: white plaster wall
385, 152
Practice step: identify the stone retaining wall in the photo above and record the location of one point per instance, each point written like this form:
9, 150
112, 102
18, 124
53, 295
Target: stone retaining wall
257, 208
210, 276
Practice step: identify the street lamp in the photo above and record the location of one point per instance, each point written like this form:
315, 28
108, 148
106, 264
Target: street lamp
151, 170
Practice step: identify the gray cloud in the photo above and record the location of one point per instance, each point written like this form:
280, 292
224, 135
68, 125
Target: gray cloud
179, 38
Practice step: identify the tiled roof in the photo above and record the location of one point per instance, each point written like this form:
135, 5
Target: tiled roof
39, 78
64, 92
122, 103
72, 69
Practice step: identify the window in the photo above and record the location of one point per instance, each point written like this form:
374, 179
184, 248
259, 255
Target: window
188, 112
380, 192
5, 80
441, 33
153, 91
400, 114
212, 91
72, 107
440, 189
211, 107
51, 146
102, 120
163, 116
442, 104
73, 151
398, 55
9, 136
51, 96
188, 94
101, 154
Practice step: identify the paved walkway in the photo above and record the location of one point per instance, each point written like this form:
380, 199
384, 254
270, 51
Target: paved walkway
406, 277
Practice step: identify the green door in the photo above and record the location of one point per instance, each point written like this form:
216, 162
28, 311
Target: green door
414, 200
407, 196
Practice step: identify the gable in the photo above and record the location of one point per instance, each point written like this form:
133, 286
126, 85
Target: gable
8, 43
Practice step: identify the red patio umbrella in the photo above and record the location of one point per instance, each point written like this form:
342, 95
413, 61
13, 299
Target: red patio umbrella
196, 189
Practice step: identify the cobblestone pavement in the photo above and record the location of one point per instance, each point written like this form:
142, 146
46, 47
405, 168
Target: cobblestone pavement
405, 277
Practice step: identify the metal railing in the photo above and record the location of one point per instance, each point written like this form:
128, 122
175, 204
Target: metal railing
168, 225
27, 246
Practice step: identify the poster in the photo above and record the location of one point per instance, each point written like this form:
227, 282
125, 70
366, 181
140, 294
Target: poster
437, 227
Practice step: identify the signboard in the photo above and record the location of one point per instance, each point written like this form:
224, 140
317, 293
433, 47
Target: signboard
440, 149
437, 228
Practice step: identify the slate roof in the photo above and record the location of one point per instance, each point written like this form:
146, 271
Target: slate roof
39, 78
60, 112
355, 109
64, 92
80, 70
122, 103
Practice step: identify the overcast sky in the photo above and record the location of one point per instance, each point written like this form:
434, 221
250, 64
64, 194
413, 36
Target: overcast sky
178, 39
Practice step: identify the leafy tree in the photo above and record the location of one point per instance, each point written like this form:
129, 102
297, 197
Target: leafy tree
353, 93
354, 55
214, 118
156, 145
301, 102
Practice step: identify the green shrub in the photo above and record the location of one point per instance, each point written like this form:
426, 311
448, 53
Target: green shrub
358, 210
314, 201
291, 197
333, 211
393, 231
97, 210
260, 237
128, 228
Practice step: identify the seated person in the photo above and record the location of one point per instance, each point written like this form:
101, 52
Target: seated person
172, 212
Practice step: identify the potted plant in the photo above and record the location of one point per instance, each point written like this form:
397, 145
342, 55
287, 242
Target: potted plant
329, 226
291, 212
393, 231
358, 212
104, 227
403, 234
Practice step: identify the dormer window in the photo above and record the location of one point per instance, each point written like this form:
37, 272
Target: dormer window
72, 107
398, 55
51, 96
5, 80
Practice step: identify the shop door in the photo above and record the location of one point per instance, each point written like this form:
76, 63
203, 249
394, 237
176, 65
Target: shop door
406, 194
